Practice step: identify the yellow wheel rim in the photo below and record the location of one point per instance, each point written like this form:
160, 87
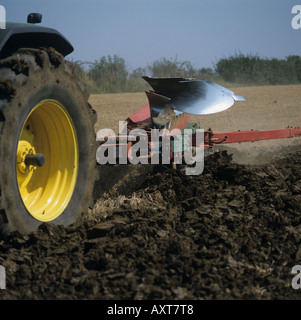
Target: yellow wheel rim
47, 190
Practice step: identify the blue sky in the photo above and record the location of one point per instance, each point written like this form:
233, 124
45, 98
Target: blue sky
141, 31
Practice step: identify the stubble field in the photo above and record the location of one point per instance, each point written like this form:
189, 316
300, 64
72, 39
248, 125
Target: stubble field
232, 232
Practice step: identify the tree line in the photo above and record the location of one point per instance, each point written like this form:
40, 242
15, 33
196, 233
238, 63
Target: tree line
110, 74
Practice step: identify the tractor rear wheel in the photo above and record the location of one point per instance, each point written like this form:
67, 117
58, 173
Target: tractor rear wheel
47, 142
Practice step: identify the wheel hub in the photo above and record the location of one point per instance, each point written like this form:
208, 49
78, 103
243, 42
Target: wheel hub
24, 150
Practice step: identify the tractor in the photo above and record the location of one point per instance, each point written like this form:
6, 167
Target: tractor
47, 139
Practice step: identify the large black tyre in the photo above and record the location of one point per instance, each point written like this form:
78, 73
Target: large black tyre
39, 92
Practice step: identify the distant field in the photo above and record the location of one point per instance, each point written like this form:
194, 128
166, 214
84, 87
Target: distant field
112, 108
267, 107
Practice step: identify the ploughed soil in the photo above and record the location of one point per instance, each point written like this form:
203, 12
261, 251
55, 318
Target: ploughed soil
232, 232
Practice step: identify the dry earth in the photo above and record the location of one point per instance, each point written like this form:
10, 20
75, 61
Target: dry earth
233, 232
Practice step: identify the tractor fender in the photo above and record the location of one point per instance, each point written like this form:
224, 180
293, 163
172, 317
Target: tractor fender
26, 35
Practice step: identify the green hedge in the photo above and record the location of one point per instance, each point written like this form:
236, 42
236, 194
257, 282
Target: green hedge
111, 75
253, 70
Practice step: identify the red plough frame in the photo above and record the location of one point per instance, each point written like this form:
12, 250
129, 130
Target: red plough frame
142, 120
